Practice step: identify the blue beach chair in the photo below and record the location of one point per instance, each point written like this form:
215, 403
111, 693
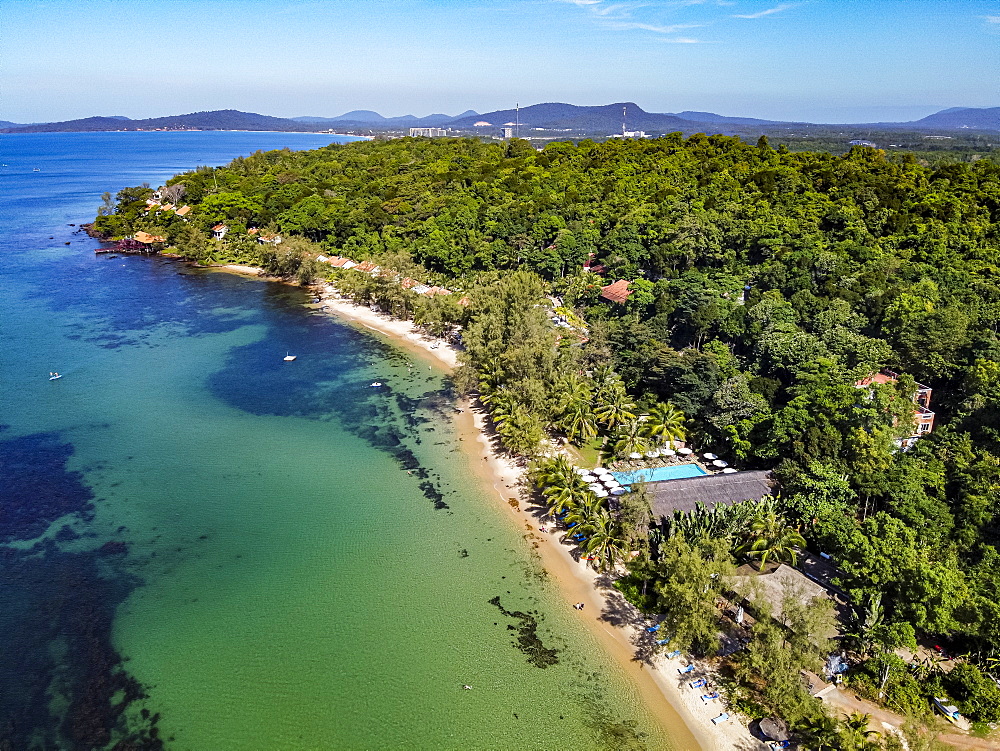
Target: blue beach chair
720, 719
688, 669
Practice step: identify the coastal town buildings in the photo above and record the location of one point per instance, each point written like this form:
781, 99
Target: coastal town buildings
428, 132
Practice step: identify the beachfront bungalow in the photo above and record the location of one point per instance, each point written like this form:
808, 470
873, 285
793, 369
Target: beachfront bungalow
322, 258
147, 239
183, 211
268, 238
368, 267
421, 289
408, 283
774, 583
617, 292
219, 231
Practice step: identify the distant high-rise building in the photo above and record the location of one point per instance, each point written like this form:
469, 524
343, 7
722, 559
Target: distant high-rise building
508, 131
428, 132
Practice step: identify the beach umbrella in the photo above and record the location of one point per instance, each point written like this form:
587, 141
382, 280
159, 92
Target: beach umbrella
606, 476
595, 486
588, 478
652, 454
581, 471
729, 471
668, 452
635, 455
598, 470
618, 491
602, 493
720, 464
684, 451
710, 456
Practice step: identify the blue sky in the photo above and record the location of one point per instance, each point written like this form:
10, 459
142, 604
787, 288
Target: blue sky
818, 60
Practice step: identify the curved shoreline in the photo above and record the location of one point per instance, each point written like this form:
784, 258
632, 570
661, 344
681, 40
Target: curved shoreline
677, 708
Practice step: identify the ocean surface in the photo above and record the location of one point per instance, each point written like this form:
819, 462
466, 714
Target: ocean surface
204, 547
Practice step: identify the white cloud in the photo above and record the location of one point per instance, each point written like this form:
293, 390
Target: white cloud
685, 40
625, 26
618, 16
768, 12
992, 19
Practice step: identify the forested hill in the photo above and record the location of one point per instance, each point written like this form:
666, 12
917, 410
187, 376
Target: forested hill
215, 120
763, 283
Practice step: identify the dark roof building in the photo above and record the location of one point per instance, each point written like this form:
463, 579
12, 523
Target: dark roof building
712, 490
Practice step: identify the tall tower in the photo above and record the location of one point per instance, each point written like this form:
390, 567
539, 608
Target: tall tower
517, 120
623, 121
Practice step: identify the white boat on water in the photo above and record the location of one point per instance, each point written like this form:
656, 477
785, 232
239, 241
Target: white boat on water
54, 376
289, 358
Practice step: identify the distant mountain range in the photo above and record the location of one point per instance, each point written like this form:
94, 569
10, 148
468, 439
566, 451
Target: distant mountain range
598, 120
374, 118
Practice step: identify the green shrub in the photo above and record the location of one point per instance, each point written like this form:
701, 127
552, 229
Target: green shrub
977, 695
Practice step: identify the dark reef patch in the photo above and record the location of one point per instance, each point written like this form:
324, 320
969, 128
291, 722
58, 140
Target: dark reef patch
36, 488
58, 611
57, 619
335, 384
528, 640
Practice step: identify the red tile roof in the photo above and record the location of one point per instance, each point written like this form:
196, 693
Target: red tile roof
145, 237
617, 292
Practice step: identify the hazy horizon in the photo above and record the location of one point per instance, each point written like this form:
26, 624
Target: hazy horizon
829, 61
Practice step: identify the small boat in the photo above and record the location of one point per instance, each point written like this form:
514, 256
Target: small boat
289, 358
36, 170
376, 384
54, 376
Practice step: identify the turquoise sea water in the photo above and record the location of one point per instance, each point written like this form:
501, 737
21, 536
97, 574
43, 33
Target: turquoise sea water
205, 547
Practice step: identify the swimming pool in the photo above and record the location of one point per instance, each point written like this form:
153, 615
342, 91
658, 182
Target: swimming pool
656, 474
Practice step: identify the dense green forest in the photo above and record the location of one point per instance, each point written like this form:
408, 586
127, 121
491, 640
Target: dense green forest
764, 283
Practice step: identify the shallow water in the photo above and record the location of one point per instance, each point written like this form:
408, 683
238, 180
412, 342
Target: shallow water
210, 547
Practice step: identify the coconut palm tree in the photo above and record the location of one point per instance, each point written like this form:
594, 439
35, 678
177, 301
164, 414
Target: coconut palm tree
614, 407
857, 733
821, 734
605, 543
772, 538
630, 438
580, 518
664, 423
576, 414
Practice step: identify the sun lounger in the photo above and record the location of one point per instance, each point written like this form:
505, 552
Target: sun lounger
663, 641
651, 629
710, 697
675, 653
720, 719
700, 683
688, 669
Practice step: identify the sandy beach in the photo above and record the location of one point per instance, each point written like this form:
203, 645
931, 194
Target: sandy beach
616, 623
